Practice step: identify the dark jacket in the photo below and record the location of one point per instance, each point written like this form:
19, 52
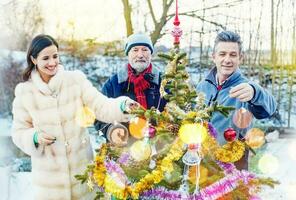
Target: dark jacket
118, 85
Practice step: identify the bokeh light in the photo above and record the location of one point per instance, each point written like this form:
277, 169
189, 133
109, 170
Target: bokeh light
242, 118
137, 127
255, 138
192, 133
85, 117
268, 164
203, 174
140, 150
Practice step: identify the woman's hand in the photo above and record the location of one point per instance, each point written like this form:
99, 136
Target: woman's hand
130, 105
45, 139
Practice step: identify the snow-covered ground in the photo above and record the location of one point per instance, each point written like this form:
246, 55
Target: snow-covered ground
284, 164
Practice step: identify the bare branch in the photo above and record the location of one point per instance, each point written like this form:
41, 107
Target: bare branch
155, 35
152, 12
226, 4
204, 20
127, 15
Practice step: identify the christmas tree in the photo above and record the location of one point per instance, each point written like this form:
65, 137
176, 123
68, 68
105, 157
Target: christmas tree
174, 154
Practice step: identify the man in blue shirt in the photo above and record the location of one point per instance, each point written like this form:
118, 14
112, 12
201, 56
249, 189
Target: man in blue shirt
226, 84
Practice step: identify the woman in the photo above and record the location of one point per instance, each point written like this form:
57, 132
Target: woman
45, 123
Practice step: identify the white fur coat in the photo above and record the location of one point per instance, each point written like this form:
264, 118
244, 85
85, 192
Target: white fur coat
51, 108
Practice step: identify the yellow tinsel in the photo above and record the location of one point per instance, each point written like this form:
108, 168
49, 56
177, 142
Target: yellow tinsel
230, 152
99, 171
157, 175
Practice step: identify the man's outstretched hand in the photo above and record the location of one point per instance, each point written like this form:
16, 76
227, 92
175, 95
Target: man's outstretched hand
244, 92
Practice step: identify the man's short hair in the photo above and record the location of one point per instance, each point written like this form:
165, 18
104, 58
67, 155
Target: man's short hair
228, 36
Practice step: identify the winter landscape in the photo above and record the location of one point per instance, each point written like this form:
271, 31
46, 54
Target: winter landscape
269, 60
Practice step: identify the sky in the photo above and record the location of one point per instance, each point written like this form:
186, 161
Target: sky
103, 19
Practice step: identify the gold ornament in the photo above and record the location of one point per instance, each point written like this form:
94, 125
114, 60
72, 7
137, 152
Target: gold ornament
137, 127
255, 138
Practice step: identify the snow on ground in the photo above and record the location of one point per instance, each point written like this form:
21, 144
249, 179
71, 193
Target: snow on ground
284, 152
5, 125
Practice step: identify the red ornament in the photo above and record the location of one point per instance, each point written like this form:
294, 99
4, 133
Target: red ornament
230, 134
177, 31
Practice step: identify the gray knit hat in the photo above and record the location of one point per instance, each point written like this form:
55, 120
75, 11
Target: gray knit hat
138, 39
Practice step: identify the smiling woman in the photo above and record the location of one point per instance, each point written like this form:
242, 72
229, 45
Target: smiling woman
47, 62
45, 112
42, 56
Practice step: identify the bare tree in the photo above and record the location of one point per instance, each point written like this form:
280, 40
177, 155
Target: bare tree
272, 45
159, 23
294, 35
24, 20
127, 16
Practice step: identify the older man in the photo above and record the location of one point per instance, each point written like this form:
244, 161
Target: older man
226, 85
138, 79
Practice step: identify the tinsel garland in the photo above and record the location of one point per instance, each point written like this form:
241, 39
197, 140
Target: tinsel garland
228, 168
103, 171
213, 132
212, 192
113, 167
124, 159
147, 182
99, 171
157, 175
230, 152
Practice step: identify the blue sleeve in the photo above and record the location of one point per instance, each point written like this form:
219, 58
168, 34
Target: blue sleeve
263, 104
107, 89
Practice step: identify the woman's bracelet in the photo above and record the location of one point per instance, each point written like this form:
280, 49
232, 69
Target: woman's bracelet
123, 106
35, 139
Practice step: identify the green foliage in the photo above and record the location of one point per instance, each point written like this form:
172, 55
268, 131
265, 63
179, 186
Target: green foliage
84, 177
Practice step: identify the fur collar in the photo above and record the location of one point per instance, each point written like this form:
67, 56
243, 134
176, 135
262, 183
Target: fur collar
54, 84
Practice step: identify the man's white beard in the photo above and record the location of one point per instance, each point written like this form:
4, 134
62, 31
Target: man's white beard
139, 66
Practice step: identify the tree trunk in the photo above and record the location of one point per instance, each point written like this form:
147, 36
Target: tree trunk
294, 35
156, 34
127, 16
272, 47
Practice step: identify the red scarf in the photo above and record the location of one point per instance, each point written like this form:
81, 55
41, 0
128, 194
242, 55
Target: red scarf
140, 84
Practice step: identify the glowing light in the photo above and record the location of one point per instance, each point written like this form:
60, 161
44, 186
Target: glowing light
137, 127
140, 150
85, 117
268, 164
255, 138
192, 133
242, 118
